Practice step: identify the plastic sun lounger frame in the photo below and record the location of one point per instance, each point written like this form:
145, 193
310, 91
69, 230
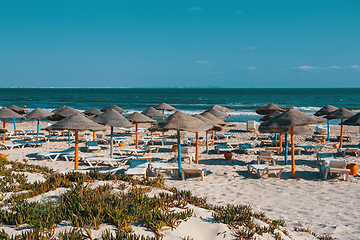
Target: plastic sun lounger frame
261, 169
163, 167
10, 146
309, 148
31, 144
130, 151
53, 156
337, 167
223, 135
111, 161
185, 171
223, 148
343, 151
113, 170
138, 167
271, 159
150, 149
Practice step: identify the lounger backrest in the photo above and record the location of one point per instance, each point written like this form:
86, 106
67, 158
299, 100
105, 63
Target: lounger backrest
91, 143
265, 153
337, 164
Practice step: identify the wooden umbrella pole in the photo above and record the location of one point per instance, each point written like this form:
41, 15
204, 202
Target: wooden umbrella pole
76, 150
341, 133
197, 149
136, 136
280, 143
163, 134
3, 140
292, 153
94, 136
207, 147
213, 138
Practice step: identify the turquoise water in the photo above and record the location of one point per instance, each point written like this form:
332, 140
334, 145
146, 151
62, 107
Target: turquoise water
243, 102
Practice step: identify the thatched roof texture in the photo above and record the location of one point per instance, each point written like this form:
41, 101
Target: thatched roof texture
76, 122
326, 110
152, 112
139, 118
340, 113
38, 113
112, 118
164, 106
7, 113
269, 109
115, 107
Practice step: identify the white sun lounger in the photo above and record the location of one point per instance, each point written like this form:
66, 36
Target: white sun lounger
92, 146
336, 166
261, 169
111, 161
10, 146
84, 171
222, 148
53, 156
129, 151
137, 167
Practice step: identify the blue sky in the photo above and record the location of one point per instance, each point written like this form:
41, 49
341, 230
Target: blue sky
179, 43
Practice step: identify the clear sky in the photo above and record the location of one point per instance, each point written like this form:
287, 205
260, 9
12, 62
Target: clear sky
180, 43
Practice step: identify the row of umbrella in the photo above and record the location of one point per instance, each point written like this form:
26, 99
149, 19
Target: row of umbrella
280, 121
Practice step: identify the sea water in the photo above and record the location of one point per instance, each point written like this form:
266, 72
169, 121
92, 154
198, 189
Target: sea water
243, 102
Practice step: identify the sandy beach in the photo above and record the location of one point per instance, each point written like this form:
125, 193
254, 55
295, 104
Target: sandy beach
327, 207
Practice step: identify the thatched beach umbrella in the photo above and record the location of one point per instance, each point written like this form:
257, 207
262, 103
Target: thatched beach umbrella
152, 112
6, 113
113, 119
164, 106
353, 121
92, 111
219, 114
76, 122
3, 130
115, 107
180, 121
270, 116
136, 118
269, 109
38, 114
17, 109
289, 119
216, 127
324, 111
340, 113
58, 109
215, 120
221, 108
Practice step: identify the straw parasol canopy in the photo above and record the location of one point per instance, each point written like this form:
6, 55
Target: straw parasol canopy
182, 122
269, 109
64, 112
353, 121
136, 118
92, 111
38, 113
58, 109
76, 122
221, 108
17, 109
219, 114
3, 130
152, 112
113, 119
216, 126
270, 116
326, 110
340, 113
213, 118
7, 113
298, 130
293, 117
115, 107
164, 106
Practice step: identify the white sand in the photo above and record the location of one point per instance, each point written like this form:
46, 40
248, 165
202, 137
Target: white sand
326, 207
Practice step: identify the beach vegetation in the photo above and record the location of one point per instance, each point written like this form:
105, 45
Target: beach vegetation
88, 207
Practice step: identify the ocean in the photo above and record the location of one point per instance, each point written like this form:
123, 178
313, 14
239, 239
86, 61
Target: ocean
243, 102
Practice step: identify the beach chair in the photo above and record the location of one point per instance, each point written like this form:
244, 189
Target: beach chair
112, 161
261, 169
266, 156
148, 148
251, 126
185, 154
31, 144
223, 135
130, 151
273, 149
85, 171
186, 171
343, 151
163, 167
53, 156
223, 148
10, 146
92, 146
336, 166
137, 167
320, 157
